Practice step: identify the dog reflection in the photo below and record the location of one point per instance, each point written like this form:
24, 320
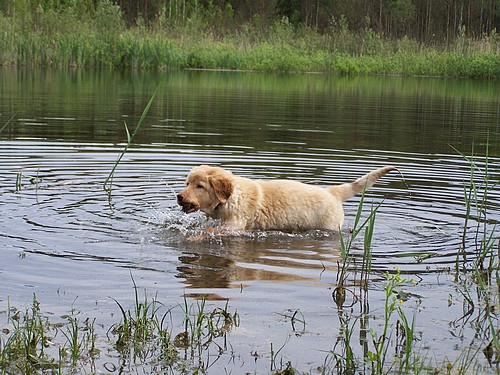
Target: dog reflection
240, 260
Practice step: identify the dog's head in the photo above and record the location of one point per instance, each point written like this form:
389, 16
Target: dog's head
206, 188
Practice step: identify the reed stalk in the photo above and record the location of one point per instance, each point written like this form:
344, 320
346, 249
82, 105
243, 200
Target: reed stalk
7, 123
477, 228
394, 298
359, 225
108, 183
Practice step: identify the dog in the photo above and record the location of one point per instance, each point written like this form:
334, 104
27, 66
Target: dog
263, 205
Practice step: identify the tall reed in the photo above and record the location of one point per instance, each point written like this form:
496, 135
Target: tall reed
478, 231
8, 122
108, 183
346, 244
477, 263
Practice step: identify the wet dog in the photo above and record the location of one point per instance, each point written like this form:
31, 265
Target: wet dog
283, 205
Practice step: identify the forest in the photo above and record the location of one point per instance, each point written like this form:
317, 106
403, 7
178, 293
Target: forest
423, 20
429, 21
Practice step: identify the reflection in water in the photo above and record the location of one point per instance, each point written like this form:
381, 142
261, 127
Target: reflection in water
232, 262
253, 111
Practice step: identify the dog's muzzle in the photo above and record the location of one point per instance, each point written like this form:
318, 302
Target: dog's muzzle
186, 206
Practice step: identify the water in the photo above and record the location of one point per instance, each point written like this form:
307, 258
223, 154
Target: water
64, 239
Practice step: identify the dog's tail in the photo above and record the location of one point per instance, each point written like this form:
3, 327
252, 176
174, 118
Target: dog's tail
346, 191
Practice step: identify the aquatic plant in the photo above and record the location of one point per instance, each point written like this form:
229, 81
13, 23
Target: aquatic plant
141, 327
143, 332
477, 264
30, 343
144, 321
346, 244
342, 356
7, 123
33, 180
108, 183
28, 336
482, 231
297, 318
81, 338
394, 298
273, 355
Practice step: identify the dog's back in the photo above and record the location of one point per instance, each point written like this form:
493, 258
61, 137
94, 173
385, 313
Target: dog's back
293, 206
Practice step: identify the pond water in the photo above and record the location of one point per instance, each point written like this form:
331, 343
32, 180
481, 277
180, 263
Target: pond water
65, 239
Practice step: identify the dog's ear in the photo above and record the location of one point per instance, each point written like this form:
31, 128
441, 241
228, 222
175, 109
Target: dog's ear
223, 186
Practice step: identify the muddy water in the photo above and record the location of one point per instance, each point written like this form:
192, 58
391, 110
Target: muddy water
65, 239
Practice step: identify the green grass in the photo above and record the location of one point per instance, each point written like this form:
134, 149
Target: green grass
24, 350
31, 343
281, 47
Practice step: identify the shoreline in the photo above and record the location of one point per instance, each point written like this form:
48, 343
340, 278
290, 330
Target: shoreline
236, 70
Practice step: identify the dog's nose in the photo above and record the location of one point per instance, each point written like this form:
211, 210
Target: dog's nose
180, 198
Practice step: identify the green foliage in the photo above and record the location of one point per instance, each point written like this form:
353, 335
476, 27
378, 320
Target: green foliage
24, 350
108, 20
394, 299
79, 33
30, 343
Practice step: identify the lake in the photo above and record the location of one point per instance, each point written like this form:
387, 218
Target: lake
76, 247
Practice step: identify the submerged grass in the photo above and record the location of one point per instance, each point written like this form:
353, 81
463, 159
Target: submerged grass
30, 343
28, 336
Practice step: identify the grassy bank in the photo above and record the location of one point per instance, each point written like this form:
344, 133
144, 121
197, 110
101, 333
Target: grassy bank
63, 39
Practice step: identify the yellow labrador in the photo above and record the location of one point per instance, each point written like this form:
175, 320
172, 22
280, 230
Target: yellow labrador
244, 204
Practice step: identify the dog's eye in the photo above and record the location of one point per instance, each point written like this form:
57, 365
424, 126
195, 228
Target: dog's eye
200, 186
